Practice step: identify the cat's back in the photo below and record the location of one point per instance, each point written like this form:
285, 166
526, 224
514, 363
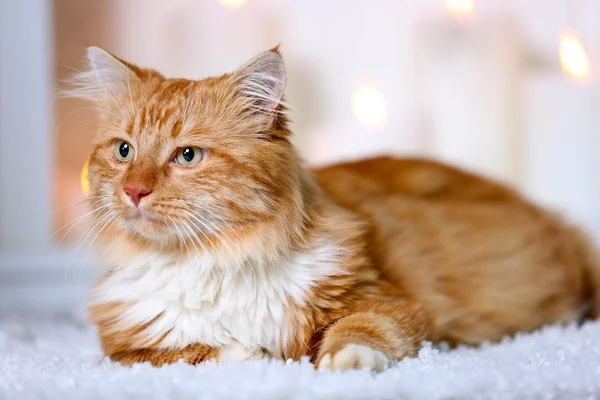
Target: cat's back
350, 183
483, 260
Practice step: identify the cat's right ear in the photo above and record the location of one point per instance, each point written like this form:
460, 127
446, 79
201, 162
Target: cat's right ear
104, 77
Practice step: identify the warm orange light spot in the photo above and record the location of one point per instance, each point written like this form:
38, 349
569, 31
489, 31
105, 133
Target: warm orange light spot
370, 107
232, 3
460, 9
85, 183
573, 58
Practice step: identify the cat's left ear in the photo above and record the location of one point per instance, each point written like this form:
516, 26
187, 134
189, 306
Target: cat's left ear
106, 77
261, 82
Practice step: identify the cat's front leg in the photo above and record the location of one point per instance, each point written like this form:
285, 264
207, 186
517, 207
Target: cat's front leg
372, 336
192, 354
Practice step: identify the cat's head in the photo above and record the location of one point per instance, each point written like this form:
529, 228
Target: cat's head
189, 163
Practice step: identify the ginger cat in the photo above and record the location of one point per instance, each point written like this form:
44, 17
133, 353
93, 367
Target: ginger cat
225, 247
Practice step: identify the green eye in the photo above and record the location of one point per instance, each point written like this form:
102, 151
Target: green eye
123, 151
189, 156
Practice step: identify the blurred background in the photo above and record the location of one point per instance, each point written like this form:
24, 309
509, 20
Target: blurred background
506, 88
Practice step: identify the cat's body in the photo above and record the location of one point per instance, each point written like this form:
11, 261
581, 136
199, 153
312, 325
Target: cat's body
246, 254
483, 261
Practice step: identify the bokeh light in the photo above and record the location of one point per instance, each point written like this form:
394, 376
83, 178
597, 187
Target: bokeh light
232, 3
573, 58
85, 183
461, 9
370, 107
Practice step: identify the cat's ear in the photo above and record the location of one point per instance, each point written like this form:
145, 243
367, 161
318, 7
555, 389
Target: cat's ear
105, 76
261, 82
111, 72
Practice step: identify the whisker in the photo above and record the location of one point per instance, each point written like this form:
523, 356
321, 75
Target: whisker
211, 212
224, 222
94, 220
216, 234
76, 203
90, 244
201, 231
213, 269
192, 235
76, 221
180, 237
89, 232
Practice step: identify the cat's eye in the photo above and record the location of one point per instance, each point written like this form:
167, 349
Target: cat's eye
189, 156
123, 151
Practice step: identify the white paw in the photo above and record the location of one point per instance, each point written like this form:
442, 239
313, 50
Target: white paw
237, 352
354, 356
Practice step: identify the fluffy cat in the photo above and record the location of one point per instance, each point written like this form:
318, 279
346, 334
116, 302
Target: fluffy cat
225, 247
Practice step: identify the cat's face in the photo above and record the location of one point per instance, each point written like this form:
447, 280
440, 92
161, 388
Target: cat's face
188, 162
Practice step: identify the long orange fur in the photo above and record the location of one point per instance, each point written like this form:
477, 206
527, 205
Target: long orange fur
430, 252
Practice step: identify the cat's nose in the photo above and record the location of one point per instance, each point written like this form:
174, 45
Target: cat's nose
136, 193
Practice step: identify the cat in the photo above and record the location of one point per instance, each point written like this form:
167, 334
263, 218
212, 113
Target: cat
224, 247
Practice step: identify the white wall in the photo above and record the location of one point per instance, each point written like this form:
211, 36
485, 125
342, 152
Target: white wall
26, 80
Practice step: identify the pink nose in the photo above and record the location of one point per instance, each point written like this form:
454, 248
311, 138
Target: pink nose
136, 193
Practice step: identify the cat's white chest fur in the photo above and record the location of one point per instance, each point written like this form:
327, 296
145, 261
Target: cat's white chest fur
188, 300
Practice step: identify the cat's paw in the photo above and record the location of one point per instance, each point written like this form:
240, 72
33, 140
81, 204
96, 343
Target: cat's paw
354, 356
237, 352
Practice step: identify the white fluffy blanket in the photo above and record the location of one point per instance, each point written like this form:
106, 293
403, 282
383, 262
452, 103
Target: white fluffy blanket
61, 359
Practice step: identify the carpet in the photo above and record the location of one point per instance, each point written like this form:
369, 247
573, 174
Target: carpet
60, 358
